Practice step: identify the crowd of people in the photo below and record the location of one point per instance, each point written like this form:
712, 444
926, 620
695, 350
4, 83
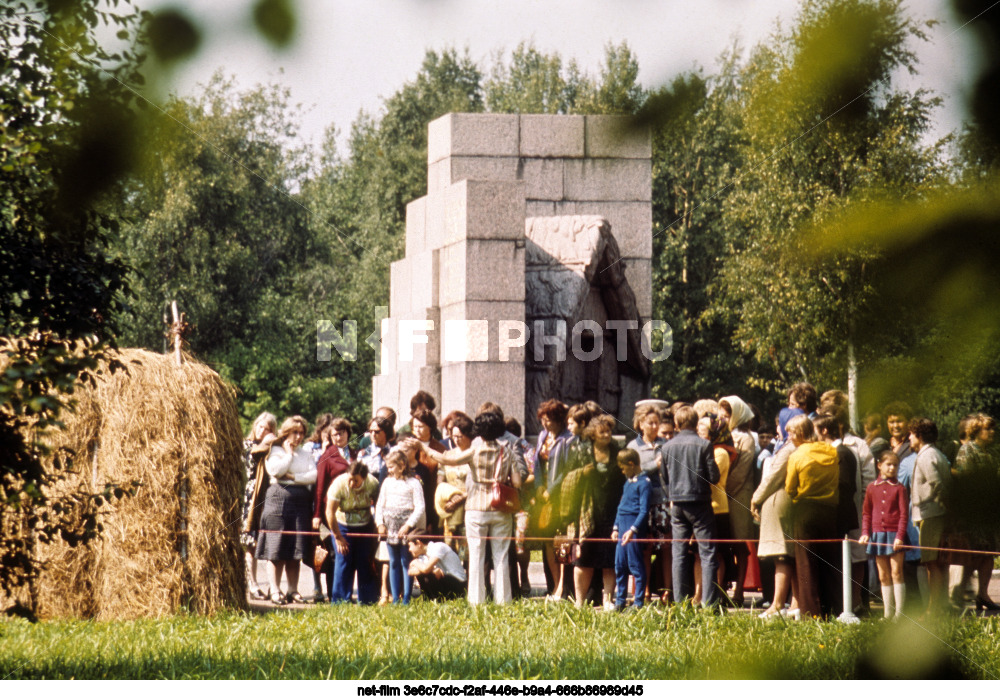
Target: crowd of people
705, 496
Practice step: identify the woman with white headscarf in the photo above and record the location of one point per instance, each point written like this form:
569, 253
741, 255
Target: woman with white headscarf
739, 483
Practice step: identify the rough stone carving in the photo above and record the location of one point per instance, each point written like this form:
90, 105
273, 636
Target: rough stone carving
574, 273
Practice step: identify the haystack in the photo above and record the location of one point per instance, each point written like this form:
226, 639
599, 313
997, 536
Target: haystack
174, 544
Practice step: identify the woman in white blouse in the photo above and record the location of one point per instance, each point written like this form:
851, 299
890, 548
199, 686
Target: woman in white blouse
399, 511
287, 507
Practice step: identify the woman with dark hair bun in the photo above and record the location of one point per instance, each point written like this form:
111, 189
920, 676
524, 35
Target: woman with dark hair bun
873, 425
490, 462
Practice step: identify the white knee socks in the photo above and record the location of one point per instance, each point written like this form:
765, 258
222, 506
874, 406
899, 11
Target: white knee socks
900, 590
887, 600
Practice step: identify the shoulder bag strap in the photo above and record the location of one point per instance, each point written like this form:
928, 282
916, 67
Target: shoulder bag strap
499, 467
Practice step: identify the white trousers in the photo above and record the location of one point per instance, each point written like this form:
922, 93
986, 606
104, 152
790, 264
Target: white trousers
488, 523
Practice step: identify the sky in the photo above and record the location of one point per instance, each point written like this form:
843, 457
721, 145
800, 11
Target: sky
348, 56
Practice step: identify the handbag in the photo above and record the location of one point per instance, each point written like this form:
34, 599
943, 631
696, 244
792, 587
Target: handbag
309, 555
565, 549
319, 557
503, 498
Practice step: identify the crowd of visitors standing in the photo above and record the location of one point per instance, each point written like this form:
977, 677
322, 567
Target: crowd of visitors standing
705, 497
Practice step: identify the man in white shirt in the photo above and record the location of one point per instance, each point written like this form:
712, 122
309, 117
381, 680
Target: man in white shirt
437, 568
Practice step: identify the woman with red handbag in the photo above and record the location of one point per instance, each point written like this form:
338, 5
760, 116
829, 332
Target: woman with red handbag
491, 500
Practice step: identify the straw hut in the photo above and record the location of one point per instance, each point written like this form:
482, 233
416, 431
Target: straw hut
172, 433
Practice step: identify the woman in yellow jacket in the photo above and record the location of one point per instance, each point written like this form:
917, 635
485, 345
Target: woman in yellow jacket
812, 483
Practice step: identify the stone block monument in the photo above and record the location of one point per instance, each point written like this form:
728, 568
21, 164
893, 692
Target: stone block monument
527, 273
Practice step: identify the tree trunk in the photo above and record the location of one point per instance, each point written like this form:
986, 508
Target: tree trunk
852, 383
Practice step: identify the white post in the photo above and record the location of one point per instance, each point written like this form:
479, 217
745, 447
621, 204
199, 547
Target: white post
848, 616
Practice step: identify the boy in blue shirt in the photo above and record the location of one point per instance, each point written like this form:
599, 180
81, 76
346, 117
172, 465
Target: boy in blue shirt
630, 523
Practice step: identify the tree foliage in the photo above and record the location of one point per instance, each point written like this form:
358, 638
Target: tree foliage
617, 90
538, 83
211, 220
260, 243
697, 137
533, 83
936, 260
358, 201
358, 208
745, 160
823, 130
208, 217
69, 137
66, 136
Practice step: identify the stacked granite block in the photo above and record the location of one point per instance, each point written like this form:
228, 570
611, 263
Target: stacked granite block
465, 245
585, 165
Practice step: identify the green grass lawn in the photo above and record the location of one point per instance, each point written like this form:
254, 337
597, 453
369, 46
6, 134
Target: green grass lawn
524, 640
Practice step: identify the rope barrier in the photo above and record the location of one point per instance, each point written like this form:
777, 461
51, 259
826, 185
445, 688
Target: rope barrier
837, 540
